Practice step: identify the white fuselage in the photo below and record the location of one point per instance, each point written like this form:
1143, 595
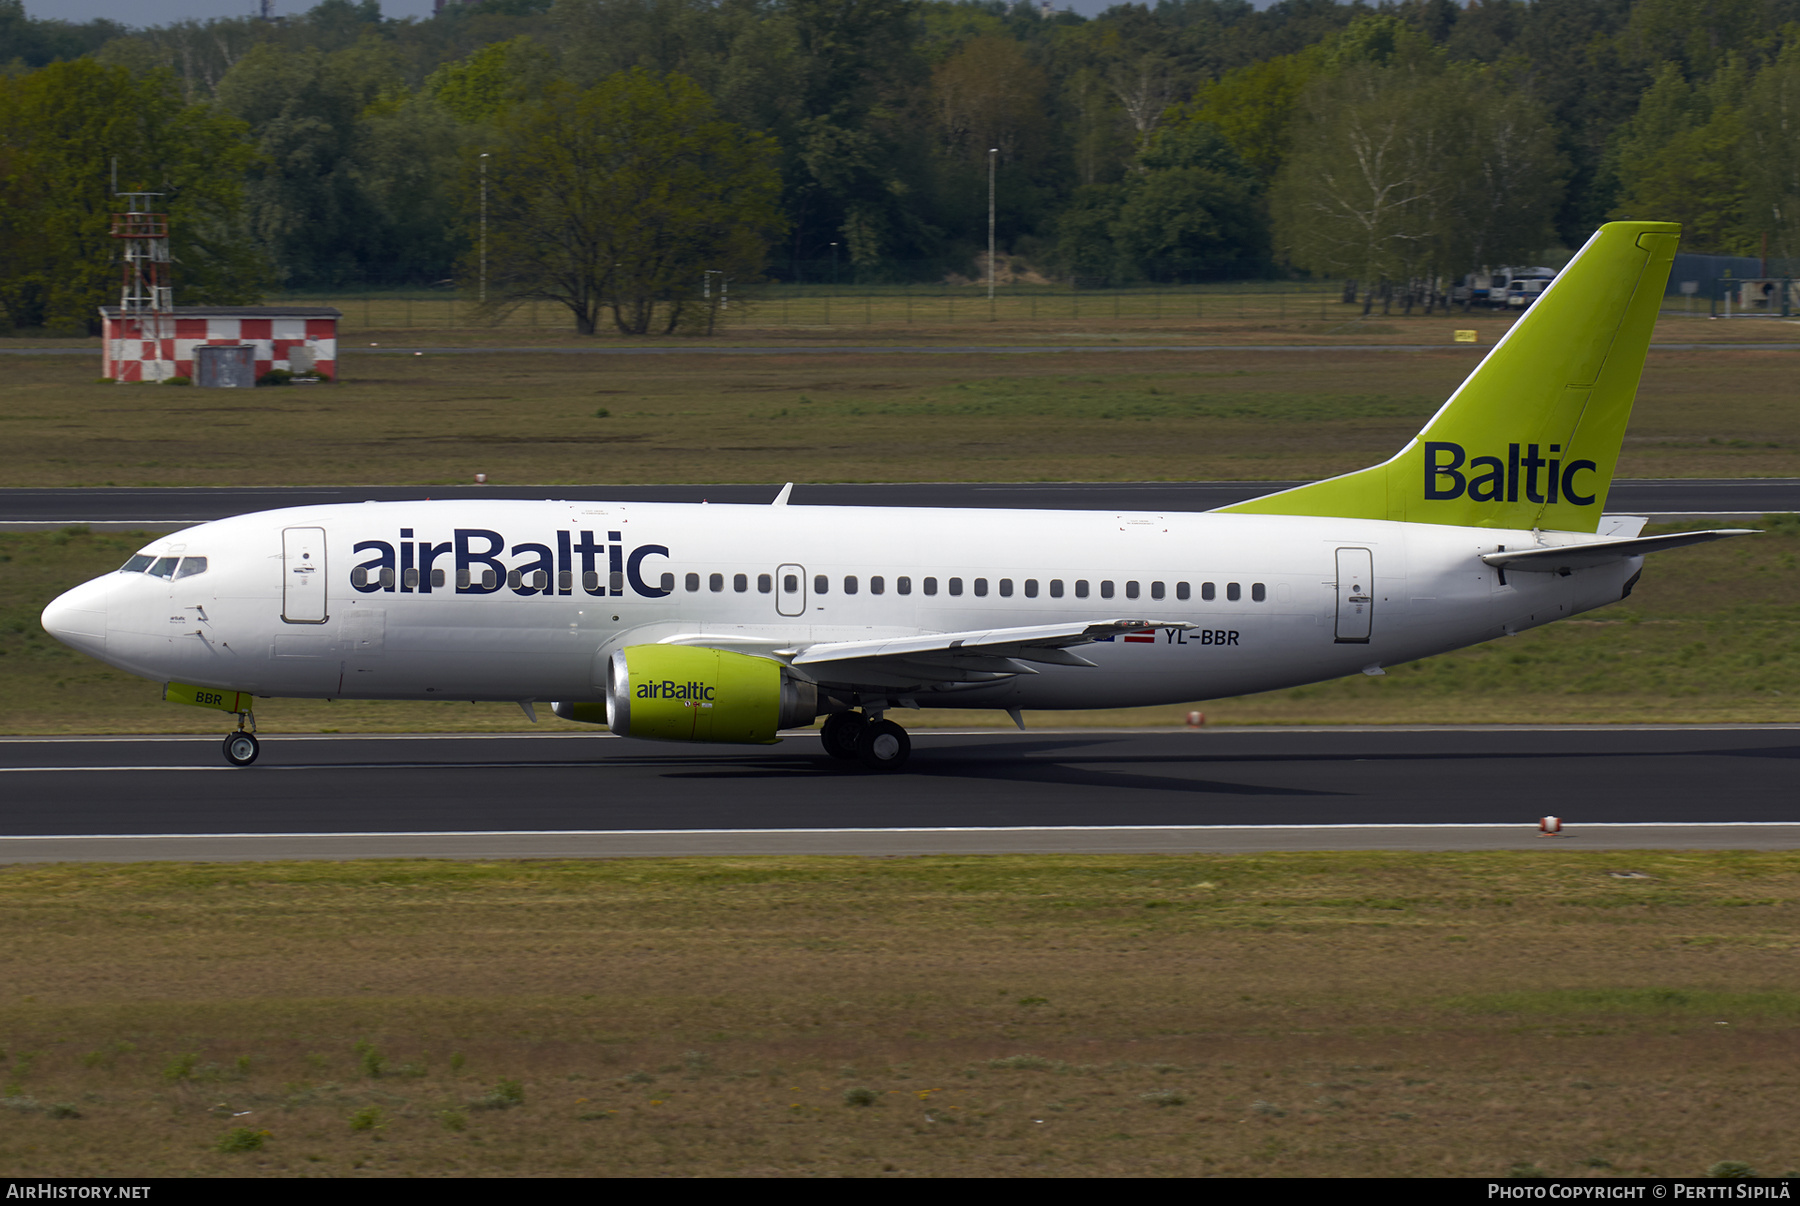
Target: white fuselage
392, 600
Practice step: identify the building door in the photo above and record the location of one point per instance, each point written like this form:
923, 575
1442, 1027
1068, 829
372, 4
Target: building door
1355, 595
303, 576
790, 590
223, 366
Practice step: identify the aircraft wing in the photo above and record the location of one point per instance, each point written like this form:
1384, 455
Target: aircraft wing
951, 657
918, 661
1037, 642
1565, 558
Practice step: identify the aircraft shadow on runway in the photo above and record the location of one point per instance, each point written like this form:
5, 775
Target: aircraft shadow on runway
1041, 773
1013, 762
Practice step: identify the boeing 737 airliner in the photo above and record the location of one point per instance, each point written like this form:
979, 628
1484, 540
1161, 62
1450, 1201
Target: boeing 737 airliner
729, 623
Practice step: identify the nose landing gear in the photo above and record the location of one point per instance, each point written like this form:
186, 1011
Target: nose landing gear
242, 747
878, 744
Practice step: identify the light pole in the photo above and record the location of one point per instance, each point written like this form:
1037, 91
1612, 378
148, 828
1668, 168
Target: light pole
484, 159
706, 291
992, 151
834, 264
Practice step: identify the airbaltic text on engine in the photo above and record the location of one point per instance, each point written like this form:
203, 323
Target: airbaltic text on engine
669, 689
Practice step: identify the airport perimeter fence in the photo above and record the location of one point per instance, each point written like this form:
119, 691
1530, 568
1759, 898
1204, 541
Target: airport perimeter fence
769, 305
775, 305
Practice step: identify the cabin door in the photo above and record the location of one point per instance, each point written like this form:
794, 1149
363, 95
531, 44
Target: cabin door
790, 590
303, 576
1355, 596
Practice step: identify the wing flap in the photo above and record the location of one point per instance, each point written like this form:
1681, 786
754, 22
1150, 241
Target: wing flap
912, 674
1036, 642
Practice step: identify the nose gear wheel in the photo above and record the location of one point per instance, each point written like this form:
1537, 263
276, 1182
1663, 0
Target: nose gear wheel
241, 748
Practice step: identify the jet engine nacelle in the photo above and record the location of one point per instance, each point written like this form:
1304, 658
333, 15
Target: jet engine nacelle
688, 693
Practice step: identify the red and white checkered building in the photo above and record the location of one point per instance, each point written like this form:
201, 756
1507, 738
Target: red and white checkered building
133, 354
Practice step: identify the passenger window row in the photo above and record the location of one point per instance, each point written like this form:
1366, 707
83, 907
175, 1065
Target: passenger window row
409, 578
878, 585
716, 582
790, 583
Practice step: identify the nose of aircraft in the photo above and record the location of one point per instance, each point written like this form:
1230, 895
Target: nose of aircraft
77, 618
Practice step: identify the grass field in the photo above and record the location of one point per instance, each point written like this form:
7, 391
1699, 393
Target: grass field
1076, 416
786, 309
777, 311
1708, 635
1574, 1014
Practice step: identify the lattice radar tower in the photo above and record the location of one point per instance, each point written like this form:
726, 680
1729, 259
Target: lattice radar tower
146, 302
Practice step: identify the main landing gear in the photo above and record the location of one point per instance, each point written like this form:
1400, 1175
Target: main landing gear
878, 744
242, 747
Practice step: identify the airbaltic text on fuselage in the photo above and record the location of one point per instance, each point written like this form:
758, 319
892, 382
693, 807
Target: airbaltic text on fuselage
473, 555
1543, 478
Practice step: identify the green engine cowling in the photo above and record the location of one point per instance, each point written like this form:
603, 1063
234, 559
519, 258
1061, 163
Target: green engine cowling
688, 693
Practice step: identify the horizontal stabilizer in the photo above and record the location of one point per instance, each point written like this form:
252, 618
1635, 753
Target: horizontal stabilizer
1565, 558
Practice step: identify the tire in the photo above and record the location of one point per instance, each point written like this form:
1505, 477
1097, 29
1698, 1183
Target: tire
883, 746
241, 749
840, 731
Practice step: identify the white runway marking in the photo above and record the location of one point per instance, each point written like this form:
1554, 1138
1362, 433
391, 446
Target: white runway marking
264, 770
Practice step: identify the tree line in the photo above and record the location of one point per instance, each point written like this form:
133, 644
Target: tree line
626, 148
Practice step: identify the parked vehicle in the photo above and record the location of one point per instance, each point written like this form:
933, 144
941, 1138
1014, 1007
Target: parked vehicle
1524, 284
1502, 288
1473, 289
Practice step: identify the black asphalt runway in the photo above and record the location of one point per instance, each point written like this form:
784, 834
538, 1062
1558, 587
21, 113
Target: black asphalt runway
183, 505
1060, 789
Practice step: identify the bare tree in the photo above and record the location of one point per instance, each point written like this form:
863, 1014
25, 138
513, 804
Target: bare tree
1772, 152
1146, 88
200, 52
1505, 186
1399, 174
1362, 191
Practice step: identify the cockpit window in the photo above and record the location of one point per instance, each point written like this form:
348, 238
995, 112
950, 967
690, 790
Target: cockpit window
164, 567
137, 565
190, 566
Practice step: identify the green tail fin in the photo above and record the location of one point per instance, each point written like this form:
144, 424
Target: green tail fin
1531, 439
